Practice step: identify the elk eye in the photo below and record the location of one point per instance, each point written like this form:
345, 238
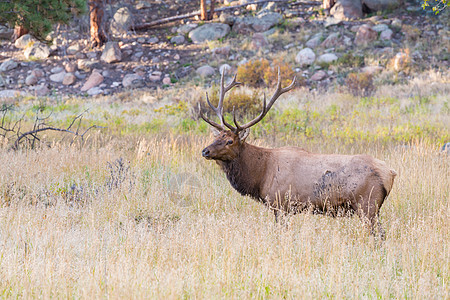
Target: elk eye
229, 142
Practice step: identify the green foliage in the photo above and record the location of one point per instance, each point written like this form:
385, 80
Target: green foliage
436, 6
38, 16
350, 60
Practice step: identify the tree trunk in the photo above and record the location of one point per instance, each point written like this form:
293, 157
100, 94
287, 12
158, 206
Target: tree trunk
96, 13
19, 31
211, 12
203, 11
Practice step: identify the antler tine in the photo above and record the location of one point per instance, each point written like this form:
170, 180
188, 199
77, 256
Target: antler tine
212, 123
278, 92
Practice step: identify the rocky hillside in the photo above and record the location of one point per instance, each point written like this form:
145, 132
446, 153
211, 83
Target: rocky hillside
323, 49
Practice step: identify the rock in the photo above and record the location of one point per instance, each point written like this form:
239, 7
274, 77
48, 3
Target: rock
38, 73
41, 90
179, 39
331, 41
143, 5
70, 67
365, 35
397, 24
319, 75
24, 41
205, 71
209, 32
331, 21
222, 50
31, 80
386, 34
155, 76
58, 77
95, 91
372, 70
166, 81
111, 53
11, 94
378, 5
225, 69
92, 55
380, 27
73, 49
347, 10
260, 23
185, 29
227, 19
314, 41
93, 80
37, 51
327, 58
132, 81
153, 40
69, 79
5, 32
305, 57
86, 64
56, 69
122, 22
8, 65
259, 40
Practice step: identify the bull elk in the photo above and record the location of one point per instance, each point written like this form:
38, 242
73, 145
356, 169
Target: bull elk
292, 180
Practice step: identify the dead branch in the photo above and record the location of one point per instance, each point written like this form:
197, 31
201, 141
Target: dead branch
198, 13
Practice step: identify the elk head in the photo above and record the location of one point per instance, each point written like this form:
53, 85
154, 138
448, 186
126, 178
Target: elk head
229, 138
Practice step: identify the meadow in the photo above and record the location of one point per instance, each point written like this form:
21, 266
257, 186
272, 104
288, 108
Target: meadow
133, 211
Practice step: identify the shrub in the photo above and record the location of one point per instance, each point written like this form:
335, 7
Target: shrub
252, 72
360, 84
243, 103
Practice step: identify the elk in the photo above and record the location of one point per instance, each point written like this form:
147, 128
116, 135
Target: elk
290, 179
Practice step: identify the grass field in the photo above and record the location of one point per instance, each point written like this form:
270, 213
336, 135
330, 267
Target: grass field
133, 211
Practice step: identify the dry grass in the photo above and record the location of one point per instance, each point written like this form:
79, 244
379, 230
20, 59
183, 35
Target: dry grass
81, 223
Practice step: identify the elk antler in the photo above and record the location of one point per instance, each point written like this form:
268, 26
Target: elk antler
278, 92
219, 109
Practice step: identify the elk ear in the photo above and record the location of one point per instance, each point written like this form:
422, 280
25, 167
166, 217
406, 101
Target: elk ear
215, 131
244, 134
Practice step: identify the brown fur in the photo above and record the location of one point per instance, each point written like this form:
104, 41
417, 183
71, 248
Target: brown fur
291, 179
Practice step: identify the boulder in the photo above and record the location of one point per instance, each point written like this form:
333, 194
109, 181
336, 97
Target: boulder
69, 79
122, 21
185, 29
178, 39
347, 10
31, 79
93, 80
24, 41
111, 53
319, 75
260, 23
331, 41
259, 40
8, 65
314, 41
205, 71
327, 58
37, 51
209, 32
5, 32
58, 77
365, 35
386, 34
132, 81
305, 57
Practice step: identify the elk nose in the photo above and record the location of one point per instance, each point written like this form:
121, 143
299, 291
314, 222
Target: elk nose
205, 152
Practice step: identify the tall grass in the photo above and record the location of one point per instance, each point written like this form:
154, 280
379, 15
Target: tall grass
144, 216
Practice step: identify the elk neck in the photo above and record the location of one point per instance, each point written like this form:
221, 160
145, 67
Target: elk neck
246, 172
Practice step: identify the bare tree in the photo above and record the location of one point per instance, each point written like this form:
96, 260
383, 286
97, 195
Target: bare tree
204, 12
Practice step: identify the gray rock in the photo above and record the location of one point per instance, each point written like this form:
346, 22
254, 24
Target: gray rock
111, 53
227, 19
155, 76
56, 69
397, 24
86, 64
92, 55
132, 81
31, 80
185, 29
5, 32
331, 41
225, 69
380, 27
93, 80
319, 75
58, 77
327, 58
331, 21
347, 10
95, 91
314, 41
205, 71
365, 35
260, 23
143, 5
70, 67
259, 40
122, 21
305, 57
386, 34
38, 73
8, 65
11, 94
24, 41
41, 90
73, 49
377, 5
37, 51
222, 50
179, 39
209, 32
153, 40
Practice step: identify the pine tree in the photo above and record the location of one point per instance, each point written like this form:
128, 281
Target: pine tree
38, 16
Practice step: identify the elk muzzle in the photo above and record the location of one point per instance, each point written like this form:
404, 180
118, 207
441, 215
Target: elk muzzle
206, 153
